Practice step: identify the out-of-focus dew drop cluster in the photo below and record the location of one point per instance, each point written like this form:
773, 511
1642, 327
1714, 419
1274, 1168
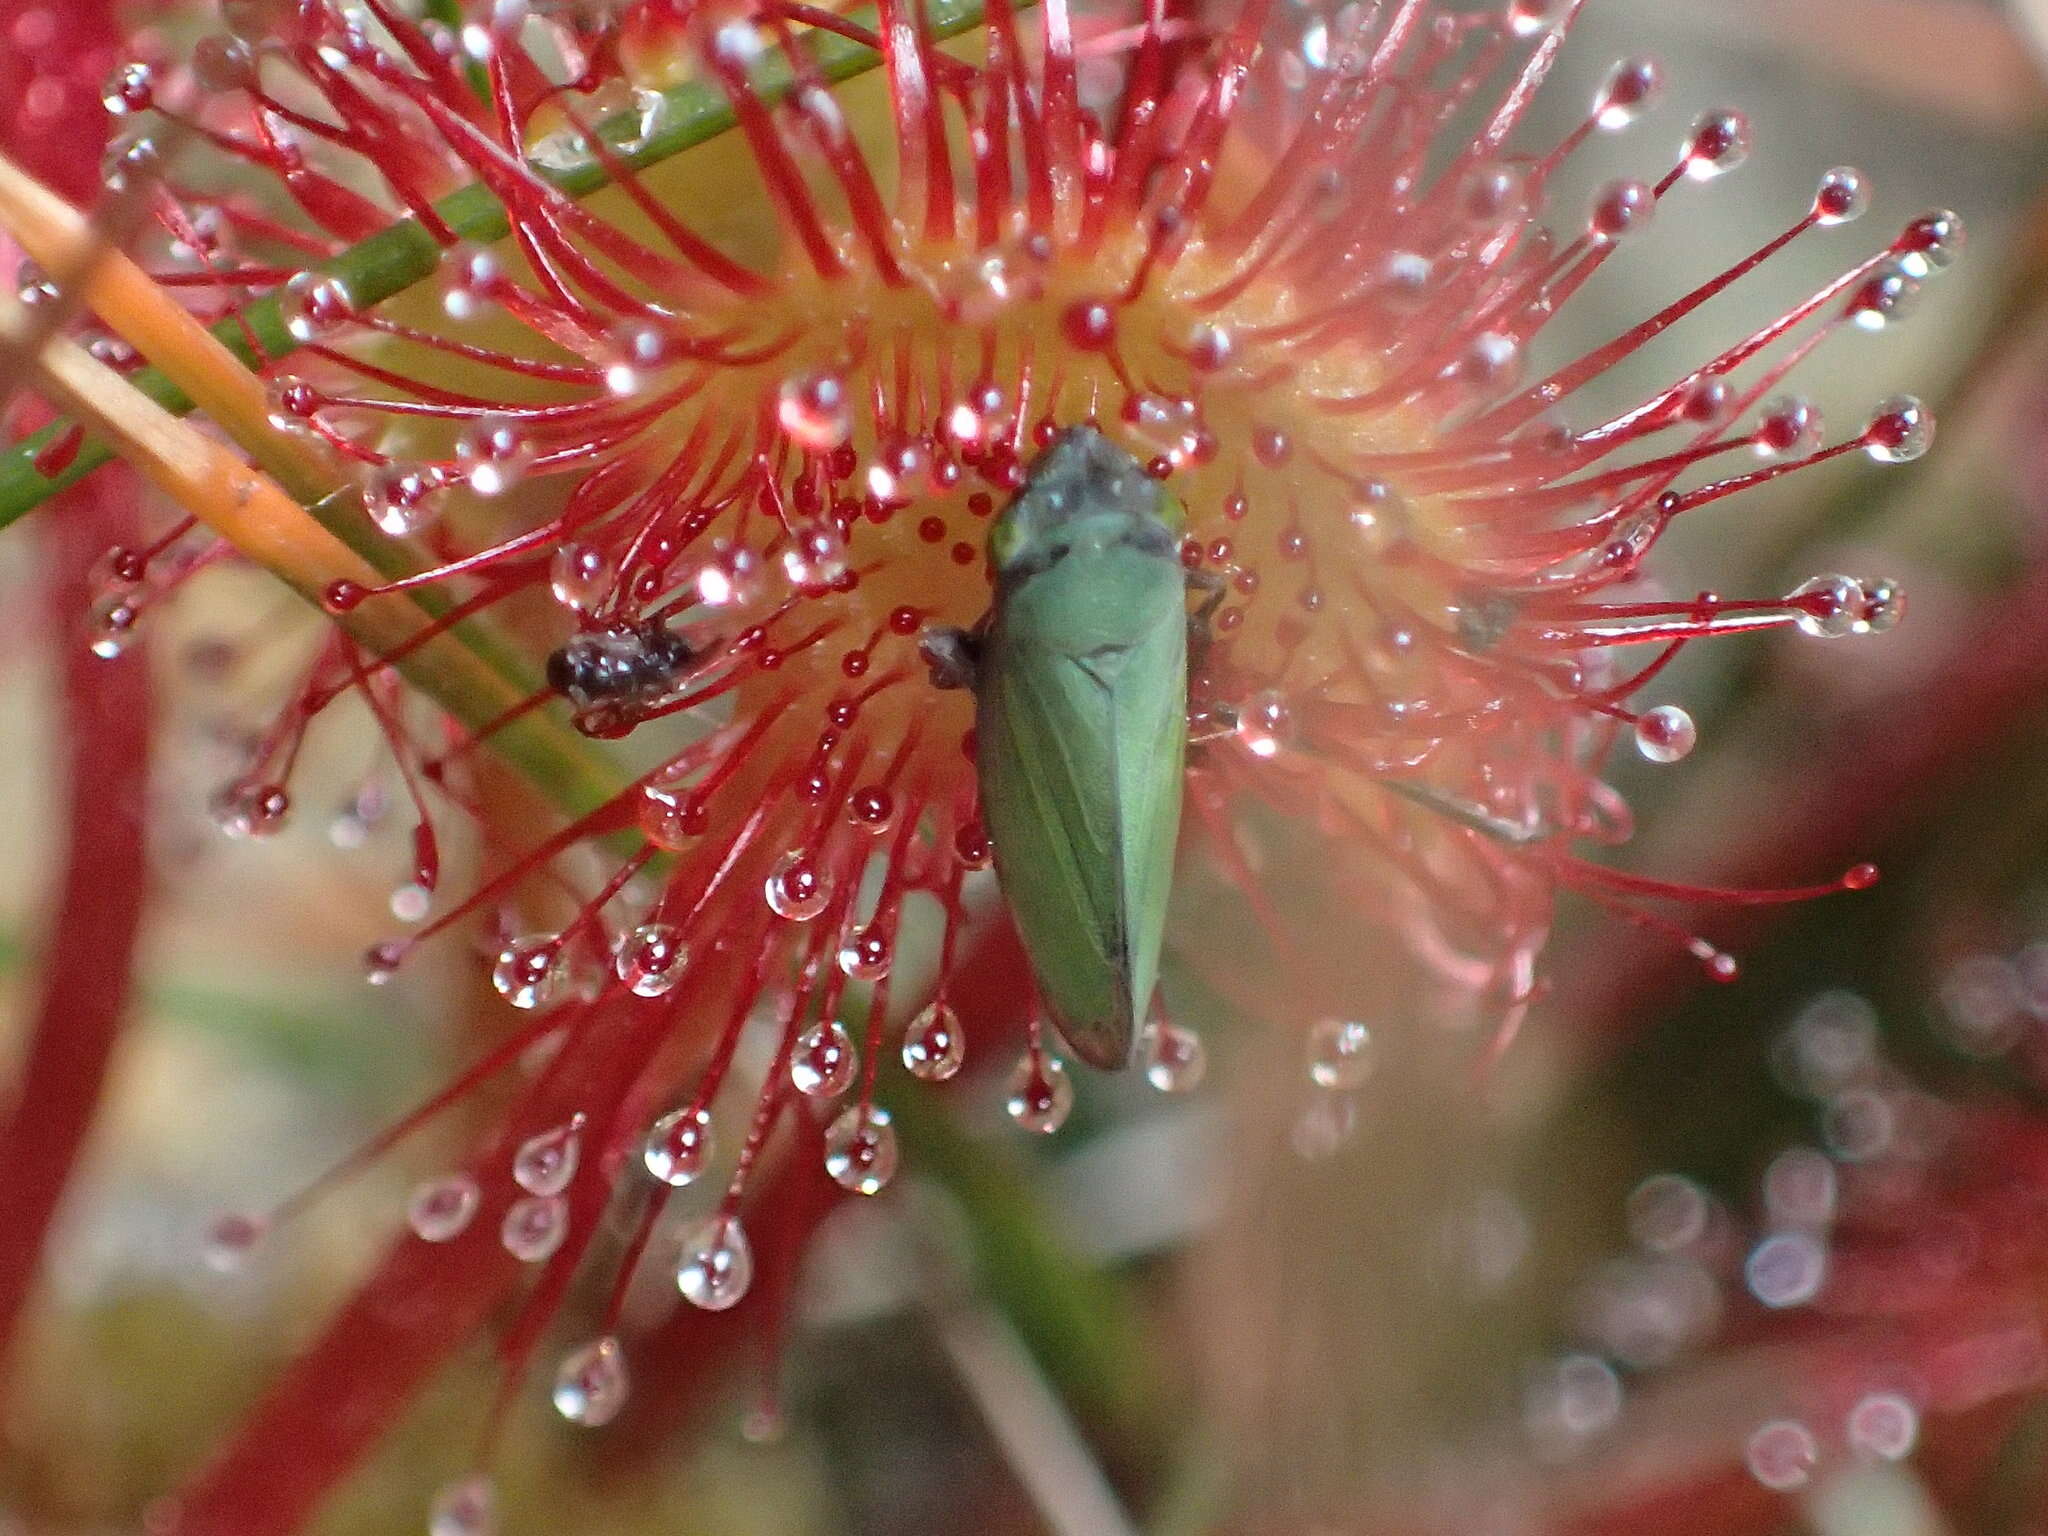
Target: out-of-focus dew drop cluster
1908, 1224
741, 476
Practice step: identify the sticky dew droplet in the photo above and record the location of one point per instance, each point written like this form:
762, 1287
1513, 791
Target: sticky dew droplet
580, 576
314, 305
1175, 1058
717, 1264
403, 499
529, 972
935, 1045
591, 1384
678, 1147
1781, 1454
1719, 142
231, 1239
1665, 734
1342, 1053
440, 1210
494, 454
1829, 605
534, 1228
867, 953
243, 811
823, 1061
546, 1164
1631, 89
814, 411
1882, 1426
1901, 430
1265, 724
650, 959
1040, 1094
798, 889
1843, 196
465, 1507
860, 1149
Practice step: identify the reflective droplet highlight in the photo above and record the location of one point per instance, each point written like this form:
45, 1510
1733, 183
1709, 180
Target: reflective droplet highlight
717, 1265
534, 1227
860, 1149
1665, 734
1041, 1094
591, 1384
1341, 1053
1175, 1058
546, 1164
824, 1060
934, 1046
798, 888
529, 972
466, 1507
441, 1210
231, 1239
678, 1146
651, 959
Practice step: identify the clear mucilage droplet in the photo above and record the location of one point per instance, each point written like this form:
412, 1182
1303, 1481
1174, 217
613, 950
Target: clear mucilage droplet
530, 972
1843, 196
495, 454
466, 1507
678, 1146
546, 1164
651, 959
1828, 605
591, 1384
1931, 243
1788, 426
1665, 734
314, 305
815, 411
244, 810
1901, 430
798, 888
1341, 1053
441, 1210
1632, 88
860, 1149
580, 576
403, 499
1175, 1058
231, 1239
866, 954
934, 1046
823, 1062
533, 1228
1718, 142
1041, 1094
130, 89
717, 1265
113, 623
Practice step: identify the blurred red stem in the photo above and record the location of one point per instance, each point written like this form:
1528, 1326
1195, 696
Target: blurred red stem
88, 961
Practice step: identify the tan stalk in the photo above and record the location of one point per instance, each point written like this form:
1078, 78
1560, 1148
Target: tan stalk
129, 302
261, 511
253, 512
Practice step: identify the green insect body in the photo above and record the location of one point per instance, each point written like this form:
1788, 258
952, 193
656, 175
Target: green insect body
1081, 730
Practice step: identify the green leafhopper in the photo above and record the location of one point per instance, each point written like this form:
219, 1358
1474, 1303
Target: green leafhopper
1080, 677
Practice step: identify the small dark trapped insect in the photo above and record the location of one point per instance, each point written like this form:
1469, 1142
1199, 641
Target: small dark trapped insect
1080, 678
614, 674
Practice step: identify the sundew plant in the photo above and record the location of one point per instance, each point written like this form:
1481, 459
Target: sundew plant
626, 391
